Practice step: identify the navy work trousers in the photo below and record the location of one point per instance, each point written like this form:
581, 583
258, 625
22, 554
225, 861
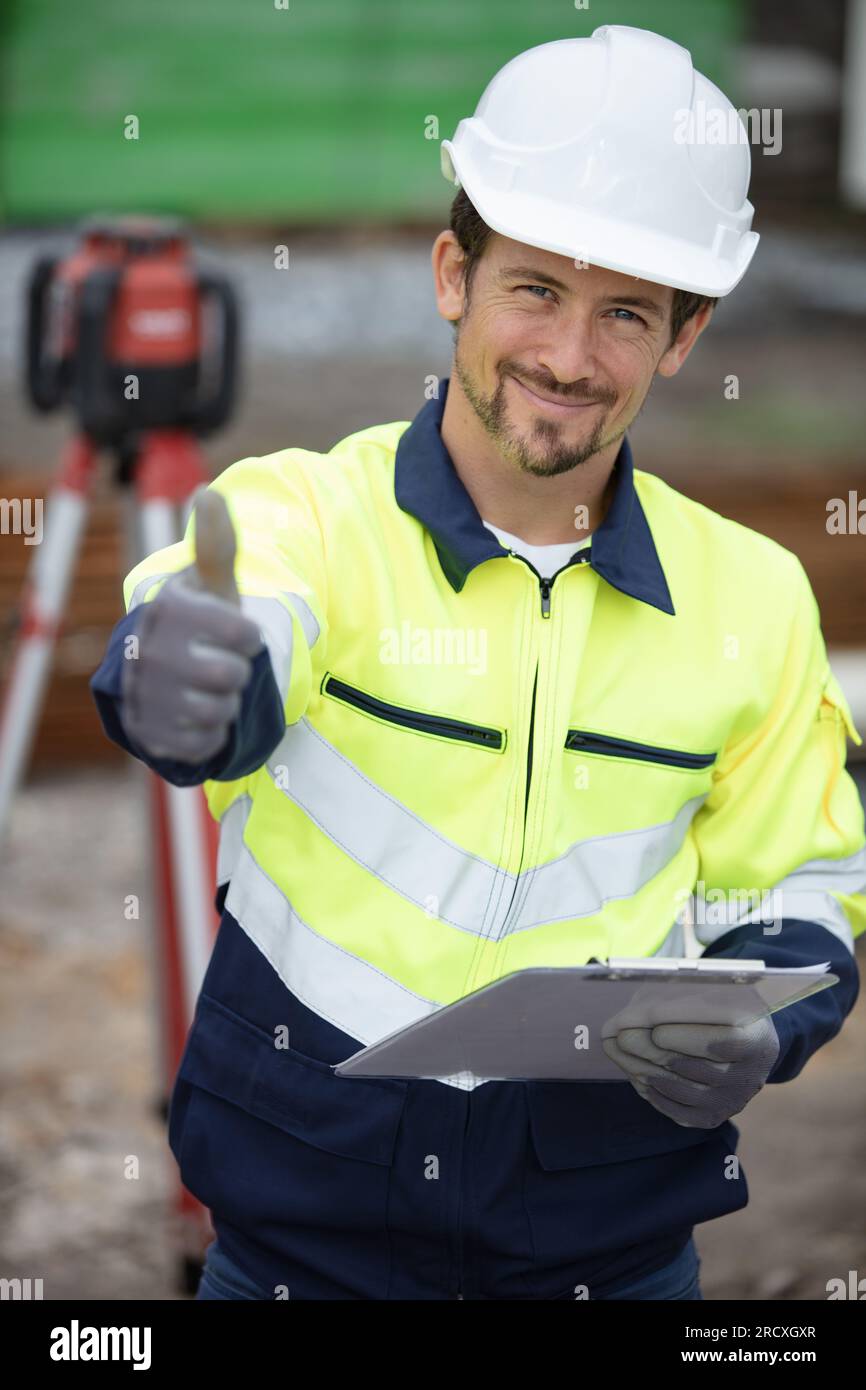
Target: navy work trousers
222, 1278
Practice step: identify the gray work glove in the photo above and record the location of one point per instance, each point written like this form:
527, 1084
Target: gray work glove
698, 1074
182, 691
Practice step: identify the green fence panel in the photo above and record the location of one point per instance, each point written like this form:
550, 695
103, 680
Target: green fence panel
247, 110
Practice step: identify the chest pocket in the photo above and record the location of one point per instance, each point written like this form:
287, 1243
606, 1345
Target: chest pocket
605, 745
417, 720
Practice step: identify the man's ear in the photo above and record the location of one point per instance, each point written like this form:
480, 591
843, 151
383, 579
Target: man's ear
671, 360
447, 261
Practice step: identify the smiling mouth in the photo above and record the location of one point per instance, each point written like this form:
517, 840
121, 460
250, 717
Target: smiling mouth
558, 407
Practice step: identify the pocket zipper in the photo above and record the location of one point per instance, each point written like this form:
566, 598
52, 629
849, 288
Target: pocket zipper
456, 729
579, 740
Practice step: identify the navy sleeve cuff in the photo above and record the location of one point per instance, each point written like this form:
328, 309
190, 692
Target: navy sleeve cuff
252, 737
805, 1026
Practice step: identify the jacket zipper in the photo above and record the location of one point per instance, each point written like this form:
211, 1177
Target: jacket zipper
457, 729
529, 750
545, 585
585, 742
581, 558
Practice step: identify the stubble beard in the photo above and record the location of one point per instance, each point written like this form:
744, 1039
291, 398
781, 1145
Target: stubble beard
552, 457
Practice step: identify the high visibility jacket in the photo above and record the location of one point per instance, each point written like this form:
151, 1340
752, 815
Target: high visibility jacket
446, 769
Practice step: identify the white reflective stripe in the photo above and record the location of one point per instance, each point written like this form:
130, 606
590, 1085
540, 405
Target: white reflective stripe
339, 987
839, 875
381, 834
144, 585
231, 834
806, 895
594, 872
416, 861
821, 908
674, 943
275, 624
715, 919
347, 991
306, 616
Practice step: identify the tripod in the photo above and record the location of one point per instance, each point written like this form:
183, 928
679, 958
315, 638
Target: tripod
164, 467
142, 343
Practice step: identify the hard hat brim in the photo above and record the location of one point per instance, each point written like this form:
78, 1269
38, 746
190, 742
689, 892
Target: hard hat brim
603, 241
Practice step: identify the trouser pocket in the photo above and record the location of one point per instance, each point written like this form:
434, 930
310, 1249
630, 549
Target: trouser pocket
297, 1161
610, 1178
221, 1278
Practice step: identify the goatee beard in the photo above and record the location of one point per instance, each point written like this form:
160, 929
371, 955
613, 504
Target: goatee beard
492, 411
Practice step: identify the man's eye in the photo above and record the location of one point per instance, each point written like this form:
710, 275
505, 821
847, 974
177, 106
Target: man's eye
632, 317
543, 288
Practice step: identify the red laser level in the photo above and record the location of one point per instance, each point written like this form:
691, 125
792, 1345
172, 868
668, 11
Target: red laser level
118, 330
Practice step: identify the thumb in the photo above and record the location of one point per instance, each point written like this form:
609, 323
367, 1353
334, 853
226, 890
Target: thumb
215, 546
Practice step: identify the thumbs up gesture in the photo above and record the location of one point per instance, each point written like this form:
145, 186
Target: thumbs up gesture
214, 568
181, 691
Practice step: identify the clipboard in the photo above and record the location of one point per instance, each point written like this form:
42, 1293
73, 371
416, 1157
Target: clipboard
548, 1022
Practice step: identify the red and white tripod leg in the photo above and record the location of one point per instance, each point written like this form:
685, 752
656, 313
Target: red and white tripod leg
189, 867
184, 834
43, 605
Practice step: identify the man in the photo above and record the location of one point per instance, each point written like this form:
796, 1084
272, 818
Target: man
476, 695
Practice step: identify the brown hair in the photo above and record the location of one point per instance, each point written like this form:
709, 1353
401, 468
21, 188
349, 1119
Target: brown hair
473, 233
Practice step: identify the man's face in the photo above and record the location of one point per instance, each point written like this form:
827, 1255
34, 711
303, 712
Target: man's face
556, 361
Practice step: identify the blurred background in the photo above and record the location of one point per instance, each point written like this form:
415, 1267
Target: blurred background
316, 126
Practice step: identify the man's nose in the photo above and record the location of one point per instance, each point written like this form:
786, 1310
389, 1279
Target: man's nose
571, 356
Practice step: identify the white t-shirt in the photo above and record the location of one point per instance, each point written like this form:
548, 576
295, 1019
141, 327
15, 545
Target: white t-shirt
547, 559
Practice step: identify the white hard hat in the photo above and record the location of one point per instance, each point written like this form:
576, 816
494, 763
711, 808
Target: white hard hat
588, 147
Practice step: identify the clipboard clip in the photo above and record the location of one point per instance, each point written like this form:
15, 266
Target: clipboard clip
682, 963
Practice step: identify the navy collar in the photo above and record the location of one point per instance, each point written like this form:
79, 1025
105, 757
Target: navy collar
428, 487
